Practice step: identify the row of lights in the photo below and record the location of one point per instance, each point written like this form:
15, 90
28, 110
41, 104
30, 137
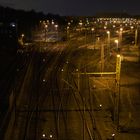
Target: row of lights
45, 137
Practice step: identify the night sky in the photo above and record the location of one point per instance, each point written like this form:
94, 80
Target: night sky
75, 7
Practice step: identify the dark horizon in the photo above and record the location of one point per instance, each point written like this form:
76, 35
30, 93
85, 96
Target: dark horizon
98, 14
75, 8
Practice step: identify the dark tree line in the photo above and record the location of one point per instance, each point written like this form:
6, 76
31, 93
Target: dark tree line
27, 20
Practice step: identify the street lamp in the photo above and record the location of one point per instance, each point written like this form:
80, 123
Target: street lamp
132, 27
105, 27
80, 27
45, 137
21, 39
92, 29
46, 26
22, 35
51, 136
136, 37
117, 96
81, 24
121, 29
56, 28
113, 135
120, 35
52, 22
108, 41
108, 32
114, 26
68, 35
117, 43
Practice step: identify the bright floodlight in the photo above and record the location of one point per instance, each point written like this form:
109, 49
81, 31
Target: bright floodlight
56, 26
114, 26
43, 135
113, 135
100, 105
13, 24
116, 41
80, 23
108, 32
22, 35
76, 69
121, 29
118, 55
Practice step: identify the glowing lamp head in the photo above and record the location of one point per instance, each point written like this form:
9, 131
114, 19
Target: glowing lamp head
22, 35
118, 55
51, 135
108, 32
116, 41
113, 135
56, 26
121, 29
43, 135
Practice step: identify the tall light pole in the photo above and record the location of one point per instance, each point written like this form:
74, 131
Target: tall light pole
93, 37
120, 35
68, 33
56, 28
46, 26
117, 96
136, 36
108, 41
80, 24
117, 43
